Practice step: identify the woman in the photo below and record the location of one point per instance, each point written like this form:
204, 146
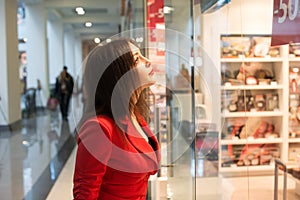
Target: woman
116, 150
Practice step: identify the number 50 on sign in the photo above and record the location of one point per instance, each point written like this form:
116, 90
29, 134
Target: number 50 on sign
286, 22
289, 10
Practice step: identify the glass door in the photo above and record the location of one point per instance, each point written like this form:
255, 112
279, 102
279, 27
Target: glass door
170, 47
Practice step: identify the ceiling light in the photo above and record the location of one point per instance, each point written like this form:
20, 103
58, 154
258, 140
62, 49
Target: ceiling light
88, 24
80, 10
97, 40
108, 40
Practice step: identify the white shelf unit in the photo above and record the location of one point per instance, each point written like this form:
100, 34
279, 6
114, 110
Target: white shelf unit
294, 110
278, 117
252, 114
252, 141
257, 168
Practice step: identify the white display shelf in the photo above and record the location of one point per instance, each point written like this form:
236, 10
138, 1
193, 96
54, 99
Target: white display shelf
294, 140
294, 62
252, 114
250, 168
294, 59
252, 87
267, 59
279, 117
252, 141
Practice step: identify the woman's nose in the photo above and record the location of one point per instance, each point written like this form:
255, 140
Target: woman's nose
148, 64
147, 61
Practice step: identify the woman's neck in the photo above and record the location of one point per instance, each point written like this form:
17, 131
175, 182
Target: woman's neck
136, 124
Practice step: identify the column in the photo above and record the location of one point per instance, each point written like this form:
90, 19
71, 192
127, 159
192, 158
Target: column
10, 90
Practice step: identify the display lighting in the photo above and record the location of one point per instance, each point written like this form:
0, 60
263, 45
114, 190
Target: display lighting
139, 39
295, 69
88, 24
80, 11
168, 9
97, 40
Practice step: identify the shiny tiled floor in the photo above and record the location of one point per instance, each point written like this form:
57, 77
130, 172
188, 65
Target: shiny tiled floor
31, 158
234, 188
239, 188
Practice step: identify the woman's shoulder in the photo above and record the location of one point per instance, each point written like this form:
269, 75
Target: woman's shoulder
100, 119
95, 125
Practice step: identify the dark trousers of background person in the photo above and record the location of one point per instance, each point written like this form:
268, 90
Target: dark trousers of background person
64, 101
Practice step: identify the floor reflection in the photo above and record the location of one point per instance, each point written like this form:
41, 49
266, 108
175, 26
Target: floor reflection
31, 158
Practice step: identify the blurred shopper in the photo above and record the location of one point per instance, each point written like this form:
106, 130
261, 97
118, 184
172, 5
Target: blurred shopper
63, 89
116, 152
23, 70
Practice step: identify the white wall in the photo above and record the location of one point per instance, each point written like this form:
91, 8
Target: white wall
238, 17
69, 51
55, 35
78, 64
35, 31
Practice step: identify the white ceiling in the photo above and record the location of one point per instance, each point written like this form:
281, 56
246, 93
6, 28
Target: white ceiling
104, 14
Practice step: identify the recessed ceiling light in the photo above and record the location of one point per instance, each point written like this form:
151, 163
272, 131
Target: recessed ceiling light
88, 24
97, 40
108, 40
80, 10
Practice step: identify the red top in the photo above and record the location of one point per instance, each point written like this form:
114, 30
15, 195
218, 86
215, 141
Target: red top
112, 164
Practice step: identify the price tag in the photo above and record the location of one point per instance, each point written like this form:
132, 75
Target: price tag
286, 22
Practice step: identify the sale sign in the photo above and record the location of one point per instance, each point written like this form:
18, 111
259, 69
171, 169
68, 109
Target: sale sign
286, 22
156, 24
155, 15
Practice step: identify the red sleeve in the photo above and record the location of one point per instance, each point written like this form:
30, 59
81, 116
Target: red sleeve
92, 156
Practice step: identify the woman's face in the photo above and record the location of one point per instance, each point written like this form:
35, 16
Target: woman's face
144, 68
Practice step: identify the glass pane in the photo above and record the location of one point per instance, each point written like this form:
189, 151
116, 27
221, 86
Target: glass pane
249, 82
181, 164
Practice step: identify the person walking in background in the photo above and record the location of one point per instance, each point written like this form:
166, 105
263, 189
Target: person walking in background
63, 89
23, 70
116, 151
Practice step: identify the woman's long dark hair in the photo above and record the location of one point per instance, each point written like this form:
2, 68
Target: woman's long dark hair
103, 71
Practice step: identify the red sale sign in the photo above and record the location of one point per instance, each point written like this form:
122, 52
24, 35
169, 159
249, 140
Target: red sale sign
286, 22
155, 14
156, 24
